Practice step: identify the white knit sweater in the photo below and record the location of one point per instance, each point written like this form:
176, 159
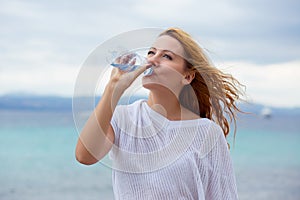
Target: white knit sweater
158, 159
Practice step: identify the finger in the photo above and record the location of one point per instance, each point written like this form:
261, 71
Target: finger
116, 72
140, 70
132, 62
130, 55
118, 59
123, 59
113, 72
131, 66
126, 58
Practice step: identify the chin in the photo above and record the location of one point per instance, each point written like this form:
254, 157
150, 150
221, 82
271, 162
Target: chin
149, 82
149, 86
152, 85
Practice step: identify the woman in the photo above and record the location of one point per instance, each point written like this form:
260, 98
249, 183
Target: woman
172, 145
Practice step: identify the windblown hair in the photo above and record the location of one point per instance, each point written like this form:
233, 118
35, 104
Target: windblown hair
216, 92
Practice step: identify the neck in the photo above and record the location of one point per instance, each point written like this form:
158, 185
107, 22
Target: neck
166, 103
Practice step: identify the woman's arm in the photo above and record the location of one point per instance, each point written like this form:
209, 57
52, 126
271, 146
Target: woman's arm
97, 136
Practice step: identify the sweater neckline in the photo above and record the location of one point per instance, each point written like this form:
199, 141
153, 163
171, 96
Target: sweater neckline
163, 121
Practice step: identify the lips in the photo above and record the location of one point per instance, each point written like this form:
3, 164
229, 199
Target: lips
148, 71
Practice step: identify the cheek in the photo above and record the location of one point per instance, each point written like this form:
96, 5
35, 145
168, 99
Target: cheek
170, 73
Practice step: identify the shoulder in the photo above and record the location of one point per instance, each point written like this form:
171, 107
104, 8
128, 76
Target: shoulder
126, 112
209, 137
189, 115
216, 132
217, 140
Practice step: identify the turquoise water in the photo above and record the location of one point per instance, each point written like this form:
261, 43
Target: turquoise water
37, 159
266, 158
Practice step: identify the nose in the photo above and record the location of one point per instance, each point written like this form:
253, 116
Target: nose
153, 60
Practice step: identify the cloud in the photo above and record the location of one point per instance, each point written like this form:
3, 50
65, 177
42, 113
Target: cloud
239, 30
44, 43
52, 80
273, 85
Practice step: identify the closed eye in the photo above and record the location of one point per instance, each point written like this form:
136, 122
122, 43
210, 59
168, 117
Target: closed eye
150, 52
168, 57
165, 55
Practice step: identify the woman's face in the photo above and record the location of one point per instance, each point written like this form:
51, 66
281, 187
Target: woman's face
166, 56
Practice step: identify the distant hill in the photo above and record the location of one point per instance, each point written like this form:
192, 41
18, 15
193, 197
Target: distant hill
46, 103
35, 103
258, 109
54, 103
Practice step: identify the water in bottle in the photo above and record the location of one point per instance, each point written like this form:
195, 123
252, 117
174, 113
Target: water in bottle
134, 61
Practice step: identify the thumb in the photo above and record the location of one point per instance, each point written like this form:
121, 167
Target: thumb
141, 69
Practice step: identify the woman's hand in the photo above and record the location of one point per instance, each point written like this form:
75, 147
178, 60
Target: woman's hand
122, 79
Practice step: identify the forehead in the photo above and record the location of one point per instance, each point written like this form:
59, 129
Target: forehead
166, 42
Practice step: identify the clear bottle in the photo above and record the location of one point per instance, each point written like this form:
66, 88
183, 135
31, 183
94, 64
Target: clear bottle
133, 62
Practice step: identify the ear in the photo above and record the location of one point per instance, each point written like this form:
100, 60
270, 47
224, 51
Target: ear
188, 78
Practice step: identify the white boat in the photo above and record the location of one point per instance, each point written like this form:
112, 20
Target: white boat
266, 112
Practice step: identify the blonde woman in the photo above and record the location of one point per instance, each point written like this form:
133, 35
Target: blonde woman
173, 144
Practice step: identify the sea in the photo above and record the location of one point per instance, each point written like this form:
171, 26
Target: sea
37, 160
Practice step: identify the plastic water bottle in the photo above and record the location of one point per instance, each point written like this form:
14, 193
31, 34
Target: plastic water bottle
134, 62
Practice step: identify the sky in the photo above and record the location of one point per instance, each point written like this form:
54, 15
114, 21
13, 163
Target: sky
44, 44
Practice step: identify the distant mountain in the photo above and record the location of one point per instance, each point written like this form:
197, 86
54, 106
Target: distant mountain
48, 103
55, 103
35, 103
259, 109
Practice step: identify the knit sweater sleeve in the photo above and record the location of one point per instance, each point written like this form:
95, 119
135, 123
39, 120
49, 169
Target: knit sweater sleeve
221, 184
114, 123
115, 118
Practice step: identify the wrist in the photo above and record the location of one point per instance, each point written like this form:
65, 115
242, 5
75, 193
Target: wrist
114, 89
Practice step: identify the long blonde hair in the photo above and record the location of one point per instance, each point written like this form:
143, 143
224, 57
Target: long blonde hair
216, 92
